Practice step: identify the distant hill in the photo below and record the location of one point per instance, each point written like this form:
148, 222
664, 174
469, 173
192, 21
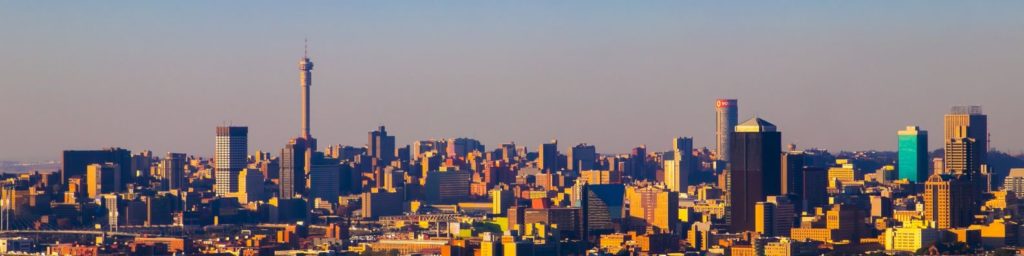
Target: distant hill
999, 163
20, 167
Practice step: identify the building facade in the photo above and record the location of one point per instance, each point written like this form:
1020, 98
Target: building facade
913, 160
230, 157
754, 170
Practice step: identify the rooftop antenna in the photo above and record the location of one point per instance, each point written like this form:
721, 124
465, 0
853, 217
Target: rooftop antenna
305, 45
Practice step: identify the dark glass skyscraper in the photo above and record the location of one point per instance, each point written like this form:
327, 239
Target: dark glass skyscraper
638, 163
547, 157
602, 207
792, 173
815, 188
76, 161
754, 170
582, 157
382, 146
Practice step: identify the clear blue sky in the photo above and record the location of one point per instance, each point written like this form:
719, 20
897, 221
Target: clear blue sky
830, 74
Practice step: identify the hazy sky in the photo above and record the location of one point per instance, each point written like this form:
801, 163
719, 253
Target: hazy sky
831, 74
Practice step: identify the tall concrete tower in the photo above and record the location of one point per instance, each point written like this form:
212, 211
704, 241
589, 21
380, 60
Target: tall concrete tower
725, 121
306, 79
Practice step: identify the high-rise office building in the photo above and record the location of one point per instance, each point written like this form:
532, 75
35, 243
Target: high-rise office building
292, 169
565, 220
141, 166
678, 169
547, 157
393, 178
638, 164
381, 146
774, 216
726, 111
173, 166
324, 181
460, 147
948, 201
913, 158
846, 221
582, 157
508, 151
815, 189
966, 125
250, 185
1015, 182
960, 157
75, 162
792, 173
501, 200
230, 157
602, 207
653, 207
447, 187
754, 170
102, 178
380, 202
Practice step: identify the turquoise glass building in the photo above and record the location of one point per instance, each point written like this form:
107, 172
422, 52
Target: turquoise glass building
912, 163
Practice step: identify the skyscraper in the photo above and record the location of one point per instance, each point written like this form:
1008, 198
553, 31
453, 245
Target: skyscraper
460, 147
582, 157
102, 178
250, 185
501, 199
677, 170
947, 201
815, 189
754, 170
652, 206
792, 173
293, 169
725, 119
602, 207
913, 154
966, 125
638, 163
382, 146
75, 162
961, 157
446, 187
1015, 181
229, 157
324, 181
774, 216
173, 166
547, 157
380, 202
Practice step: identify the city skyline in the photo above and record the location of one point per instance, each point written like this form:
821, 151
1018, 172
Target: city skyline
831, 72
512, 129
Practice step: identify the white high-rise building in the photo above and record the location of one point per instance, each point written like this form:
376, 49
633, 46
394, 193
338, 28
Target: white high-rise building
229, 158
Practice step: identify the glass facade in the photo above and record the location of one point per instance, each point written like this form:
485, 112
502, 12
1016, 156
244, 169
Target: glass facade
913, 154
